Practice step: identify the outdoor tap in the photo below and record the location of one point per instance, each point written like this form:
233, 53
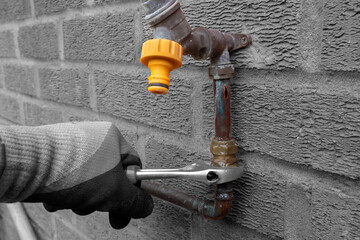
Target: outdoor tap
163, 53
174, 37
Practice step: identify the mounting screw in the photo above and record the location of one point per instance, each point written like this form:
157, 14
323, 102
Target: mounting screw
244, 40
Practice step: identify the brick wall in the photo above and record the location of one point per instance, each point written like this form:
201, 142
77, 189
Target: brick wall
295, 109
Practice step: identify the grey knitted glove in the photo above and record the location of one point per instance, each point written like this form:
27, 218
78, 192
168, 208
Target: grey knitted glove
72, 166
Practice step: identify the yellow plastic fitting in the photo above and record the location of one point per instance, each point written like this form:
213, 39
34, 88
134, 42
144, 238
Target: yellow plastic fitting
161, 56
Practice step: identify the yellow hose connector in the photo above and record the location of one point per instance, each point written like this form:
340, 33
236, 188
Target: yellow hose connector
161, 56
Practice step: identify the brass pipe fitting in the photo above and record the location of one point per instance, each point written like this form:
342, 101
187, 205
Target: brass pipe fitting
224, 153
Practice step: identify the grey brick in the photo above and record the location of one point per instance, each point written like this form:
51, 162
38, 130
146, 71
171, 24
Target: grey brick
39, 41
341, 36
125, 95
335, 215
222, 229
272, 25
20, 78
166, 222
298, 213
7, 45
74, 115
102, 38
48, 7
10, 108
1, 77
305, 119
70, 86
309, 35
12, 10
38, 115
259, 202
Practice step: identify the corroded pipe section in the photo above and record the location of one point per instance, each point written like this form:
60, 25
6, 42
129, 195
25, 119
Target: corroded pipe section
168, 22
223, 147
221, 206
216, 209
221, 71
222, 109
178, 198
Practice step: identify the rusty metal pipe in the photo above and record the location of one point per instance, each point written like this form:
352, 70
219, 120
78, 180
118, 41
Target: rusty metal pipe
216, 209
222, 109
221, 206
178, 198
168, 22
223, 148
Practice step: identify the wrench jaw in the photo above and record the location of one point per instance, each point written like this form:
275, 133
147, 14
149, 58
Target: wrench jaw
215, 174
229, 174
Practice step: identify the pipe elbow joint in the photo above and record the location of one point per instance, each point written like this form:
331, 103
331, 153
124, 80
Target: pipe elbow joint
216, 209
221, 205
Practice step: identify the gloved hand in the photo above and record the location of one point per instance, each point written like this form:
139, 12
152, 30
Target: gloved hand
108, 192
81, 167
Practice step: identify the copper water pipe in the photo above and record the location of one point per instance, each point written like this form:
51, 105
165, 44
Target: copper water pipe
168, 21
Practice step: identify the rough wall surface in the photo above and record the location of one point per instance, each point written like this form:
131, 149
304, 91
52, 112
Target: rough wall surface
295, 110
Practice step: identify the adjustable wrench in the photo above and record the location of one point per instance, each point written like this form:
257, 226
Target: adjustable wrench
197, 171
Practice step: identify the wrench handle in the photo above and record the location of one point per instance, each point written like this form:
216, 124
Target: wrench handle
135, 174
